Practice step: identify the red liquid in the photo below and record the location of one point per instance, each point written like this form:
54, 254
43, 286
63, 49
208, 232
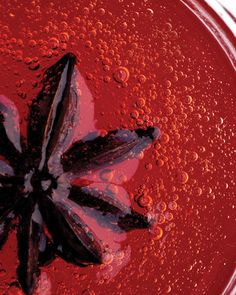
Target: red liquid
167, 57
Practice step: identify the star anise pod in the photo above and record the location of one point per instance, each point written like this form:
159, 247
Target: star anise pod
63, 183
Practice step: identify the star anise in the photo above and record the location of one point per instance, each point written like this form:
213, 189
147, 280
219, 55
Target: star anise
63, 183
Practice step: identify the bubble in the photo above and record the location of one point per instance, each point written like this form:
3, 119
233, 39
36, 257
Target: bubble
164, 138
99, 25
158, 233
101, 11
140, 102
142, 79
202, 149
139, 122
168, 216
106, 175
86, 10
34, 66
197, 191
121, 74
54, 43
123, 178
140, 155
125, 25
28, 60
162, 206
150, 12
148, 166
161, 219
187, 99
168, 289
173, 205
108, 259
32, 43
112, 188
106, 79
182, 177
167, 27
64, 25
145, 201
160, 162
192, 156
64, 37
134, 114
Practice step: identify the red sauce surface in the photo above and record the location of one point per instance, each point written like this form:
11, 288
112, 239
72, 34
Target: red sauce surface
145, 62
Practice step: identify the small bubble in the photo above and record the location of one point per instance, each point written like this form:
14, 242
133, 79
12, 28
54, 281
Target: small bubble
28, 60
54, 43
140, 102
121, 74
142, 79
187, 99
182, 177
158, 233
101, 11
32, 43
168, 289
164, 138
112, 188
192, 156
108, 259
145, 201
86, 10
173, 205
98, 25
106, 175
160, 162
148, 166
197, 191
168, 216
64, 37
134, 114
161, 206
150, 12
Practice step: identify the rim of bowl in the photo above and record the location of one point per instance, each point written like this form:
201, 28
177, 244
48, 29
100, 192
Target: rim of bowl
219, 21
222, 25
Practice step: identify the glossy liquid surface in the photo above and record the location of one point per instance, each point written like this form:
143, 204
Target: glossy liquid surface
145, 63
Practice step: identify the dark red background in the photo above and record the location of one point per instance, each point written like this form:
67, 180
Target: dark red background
170, 56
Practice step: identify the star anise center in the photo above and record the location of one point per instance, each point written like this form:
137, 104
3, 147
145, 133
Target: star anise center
39, 182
